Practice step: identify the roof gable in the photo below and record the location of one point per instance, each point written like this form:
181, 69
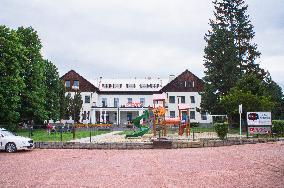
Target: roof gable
84, 85
185, 82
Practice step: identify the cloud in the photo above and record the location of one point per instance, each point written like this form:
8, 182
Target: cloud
133, 38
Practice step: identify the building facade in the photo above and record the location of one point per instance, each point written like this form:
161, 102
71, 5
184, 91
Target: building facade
119, 101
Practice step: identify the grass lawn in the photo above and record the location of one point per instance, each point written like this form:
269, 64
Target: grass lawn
126, 132
42, 135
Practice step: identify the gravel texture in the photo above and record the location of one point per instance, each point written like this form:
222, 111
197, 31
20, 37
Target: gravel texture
257, 165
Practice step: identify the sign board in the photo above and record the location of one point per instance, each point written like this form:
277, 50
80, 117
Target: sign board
134, 104
259, 118
259, 130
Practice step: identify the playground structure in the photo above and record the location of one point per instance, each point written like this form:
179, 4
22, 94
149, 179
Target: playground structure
136, 123
164, 122
156, 115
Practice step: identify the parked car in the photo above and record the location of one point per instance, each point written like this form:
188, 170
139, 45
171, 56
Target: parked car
11, 143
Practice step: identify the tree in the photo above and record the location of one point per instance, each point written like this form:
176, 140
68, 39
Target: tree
221, 67
11, 83
232, 15
77, 105
68, 106
33, 95
229, 52
53, 86
249, 101
62, 101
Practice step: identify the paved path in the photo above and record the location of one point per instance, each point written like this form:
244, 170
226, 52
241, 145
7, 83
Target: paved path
97, 138
253, 165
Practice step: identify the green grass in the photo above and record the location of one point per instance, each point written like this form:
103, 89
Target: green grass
42, 135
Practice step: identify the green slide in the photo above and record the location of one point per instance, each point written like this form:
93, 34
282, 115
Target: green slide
142, 129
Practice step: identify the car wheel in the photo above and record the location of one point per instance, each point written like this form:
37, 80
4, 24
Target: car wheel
10, 147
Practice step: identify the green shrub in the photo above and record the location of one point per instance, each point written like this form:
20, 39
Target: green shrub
278, 127
221, 130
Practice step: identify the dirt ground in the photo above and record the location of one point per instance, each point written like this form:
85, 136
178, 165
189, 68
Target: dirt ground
257, 165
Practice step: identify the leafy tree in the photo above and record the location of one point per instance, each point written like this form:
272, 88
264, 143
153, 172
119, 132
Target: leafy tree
11, 83
249, 101
232, 14
229, 53
221, 67
53, 87
77, 103
62, 100
68, 106
33, 95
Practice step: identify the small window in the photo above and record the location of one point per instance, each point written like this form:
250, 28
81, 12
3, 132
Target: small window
182, 99
129, 116
172, 114
172, 99
116, 102
192, 114
129, 100
192, 99
76, 83
87, 99
142, 101
204, 116
104, 102
67, 83
84, 115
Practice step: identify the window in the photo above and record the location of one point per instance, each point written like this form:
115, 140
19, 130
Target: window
192, 114
116, 102
76, 83
104, 102
172, 99
115, 116
182, 99
84, 115
172, 114
129, 116
142, 101
192, 99
204, 116
129, 100
87, 99
67, 83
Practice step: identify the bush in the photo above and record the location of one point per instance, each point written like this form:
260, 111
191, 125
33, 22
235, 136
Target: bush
221, 130
278, 127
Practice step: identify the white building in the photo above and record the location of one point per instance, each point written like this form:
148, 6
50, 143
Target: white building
119, 101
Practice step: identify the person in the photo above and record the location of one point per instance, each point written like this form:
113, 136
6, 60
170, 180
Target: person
49, 127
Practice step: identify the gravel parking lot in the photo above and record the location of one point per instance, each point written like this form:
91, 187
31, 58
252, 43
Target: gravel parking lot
257, 165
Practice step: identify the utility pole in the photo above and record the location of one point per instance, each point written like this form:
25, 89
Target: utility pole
240, 111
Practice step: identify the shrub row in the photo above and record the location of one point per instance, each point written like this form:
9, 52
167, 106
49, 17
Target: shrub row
278, 127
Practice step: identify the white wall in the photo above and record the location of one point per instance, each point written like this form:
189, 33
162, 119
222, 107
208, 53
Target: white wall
193, 106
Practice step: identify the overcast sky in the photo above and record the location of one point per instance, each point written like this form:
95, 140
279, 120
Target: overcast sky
138, 38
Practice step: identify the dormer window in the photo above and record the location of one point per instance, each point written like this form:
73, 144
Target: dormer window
76, 83
67, 83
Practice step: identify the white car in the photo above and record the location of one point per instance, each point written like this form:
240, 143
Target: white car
11, 143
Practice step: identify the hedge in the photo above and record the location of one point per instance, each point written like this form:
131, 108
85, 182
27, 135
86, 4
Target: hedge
278, 127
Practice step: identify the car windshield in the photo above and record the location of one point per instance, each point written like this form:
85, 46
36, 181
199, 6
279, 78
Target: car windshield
7, 133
